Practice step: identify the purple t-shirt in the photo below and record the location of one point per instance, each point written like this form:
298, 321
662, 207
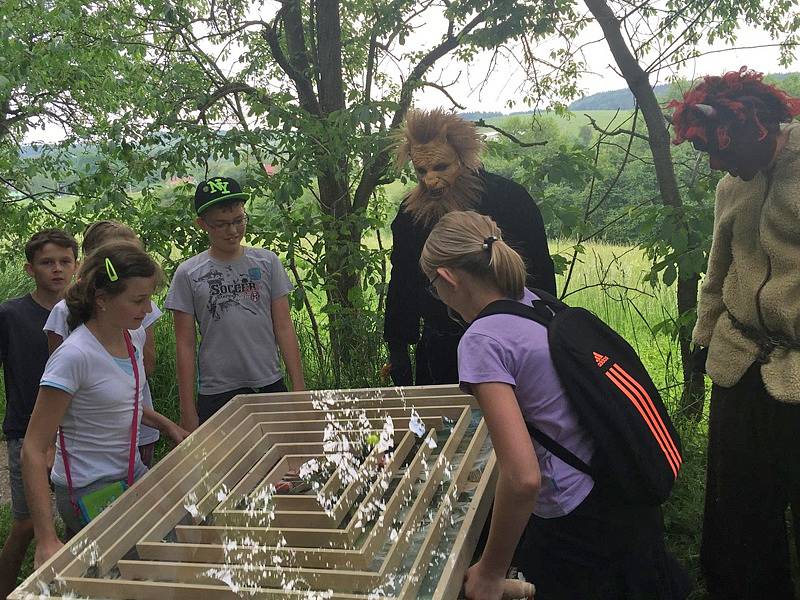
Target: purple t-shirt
513, 350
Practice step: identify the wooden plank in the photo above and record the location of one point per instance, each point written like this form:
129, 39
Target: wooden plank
107, 538
207, 495
438, 524
167, 503
81, 552
443, 462
288, 501
409, 477
272, 406
345, 500
151, 590
460, 555
349, 414
302, 537
319, 426
359, 582
295, 537
261, 470
421, 391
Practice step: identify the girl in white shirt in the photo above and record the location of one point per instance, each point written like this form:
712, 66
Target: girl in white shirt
57, 330
88, 389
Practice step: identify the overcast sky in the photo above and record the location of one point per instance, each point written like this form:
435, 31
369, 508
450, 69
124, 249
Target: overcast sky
506, 82
507, 77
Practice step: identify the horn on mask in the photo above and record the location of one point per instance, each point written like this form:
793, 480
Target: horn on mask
706, 110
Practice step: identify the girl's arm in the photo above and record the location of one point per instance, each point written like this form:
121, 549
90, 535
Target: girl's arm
518, 485
53, 341
154, 419
149, 353
51, 405
287, 342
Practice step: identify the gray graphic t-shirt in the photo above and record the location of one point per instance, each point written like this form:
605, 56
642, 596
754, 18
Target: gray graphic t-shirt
232, 303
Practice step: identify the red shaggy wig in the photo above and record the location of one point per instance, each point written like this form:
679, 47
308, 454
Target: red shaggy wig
738, 97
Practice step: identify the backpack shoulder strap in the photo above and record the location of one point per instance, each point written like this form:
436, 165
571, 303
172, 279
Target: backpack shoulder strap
541, 312
558, 450
538, 313
549, 299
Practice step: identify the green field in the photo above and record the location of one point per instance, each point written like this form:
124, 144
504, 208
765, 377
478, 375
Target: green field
632, 307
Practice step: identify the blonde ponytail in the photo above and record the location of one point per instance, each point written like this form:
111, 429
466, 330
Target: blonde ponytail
474, 243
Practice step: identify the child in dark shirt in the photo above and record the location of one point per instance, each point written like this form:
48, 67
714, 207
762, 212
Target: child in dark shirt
51, 257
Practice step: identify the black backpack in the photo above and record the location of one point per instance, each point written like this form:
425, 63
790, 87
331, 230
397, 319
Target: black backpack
637, 450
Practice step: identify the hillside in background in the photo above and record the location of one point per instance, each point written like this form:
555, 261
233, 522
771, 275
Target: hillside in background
613, 100
623, 99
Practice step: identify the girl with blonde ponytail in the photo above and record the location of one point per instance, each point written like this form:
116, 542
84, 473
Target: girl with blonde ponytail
577, 542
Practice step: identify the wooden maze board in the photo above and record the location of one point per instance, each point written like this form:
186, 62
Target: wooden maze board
205, 522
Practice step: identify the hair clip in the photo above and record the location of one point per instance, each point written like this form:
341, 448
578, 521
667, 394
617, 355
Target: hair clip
487, 242
110, 270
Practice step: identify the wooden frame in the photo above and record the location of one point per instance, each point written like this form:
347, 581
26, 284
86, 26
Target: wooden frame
205, 522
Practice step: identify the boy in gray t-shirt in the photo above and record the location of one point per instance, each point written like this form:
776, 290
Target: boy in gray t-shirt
239, 298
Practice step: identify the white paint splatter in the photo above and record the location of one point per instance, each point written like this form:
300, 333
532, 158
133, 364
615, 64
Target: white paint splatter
191, 505
415, 424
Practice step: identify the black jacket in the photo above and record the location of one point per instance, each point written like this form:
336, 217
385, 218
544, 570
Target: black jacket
408, 301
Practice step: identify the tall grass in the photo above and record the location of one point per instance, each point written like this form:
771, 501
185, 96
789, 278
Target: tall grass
607, 279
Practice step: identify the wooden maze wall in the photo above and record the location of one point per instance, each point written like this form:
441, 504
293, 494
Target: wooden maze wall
207, 523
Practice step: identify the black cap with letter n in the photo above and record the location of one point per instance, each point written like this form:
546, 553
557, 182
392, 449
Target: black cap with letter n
215, 190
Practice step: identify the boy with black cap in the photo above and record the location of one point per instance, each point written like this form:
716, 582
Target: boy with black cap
238, 296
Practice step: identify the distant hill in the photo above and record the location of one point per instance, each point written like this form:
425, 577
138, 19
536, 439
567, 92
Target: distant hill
613, 100
623, 99
477, 115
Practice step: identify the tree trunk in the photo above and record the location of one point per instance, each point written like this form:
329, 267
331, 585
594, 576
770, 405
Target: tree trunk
342, 242
343, 239
639, 84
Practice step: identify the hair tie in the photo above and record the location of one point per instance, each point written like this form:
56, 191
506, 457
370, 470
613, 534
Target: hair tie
487, 243
110, 270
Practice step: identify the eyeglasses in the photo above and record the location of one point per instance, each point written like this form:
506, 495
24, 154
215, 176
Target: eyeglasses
236, 223
432, 288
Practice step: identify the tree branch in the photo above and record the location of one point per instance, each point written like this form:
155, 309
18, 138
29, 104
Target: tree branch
450, 42
305, 91
510, 136
599, 129
443, 89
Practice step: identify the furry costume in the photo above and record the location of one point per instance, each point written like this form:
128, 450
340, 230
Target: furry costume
436, 141
749, 318
753, 274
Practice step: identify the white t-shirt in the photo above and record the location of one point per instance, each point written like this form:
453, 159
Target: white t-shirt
97, 424
57, 323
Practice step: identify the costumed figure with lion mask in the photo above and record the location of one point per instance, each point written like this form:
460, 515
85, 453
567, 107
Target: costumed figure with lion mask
445, 153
